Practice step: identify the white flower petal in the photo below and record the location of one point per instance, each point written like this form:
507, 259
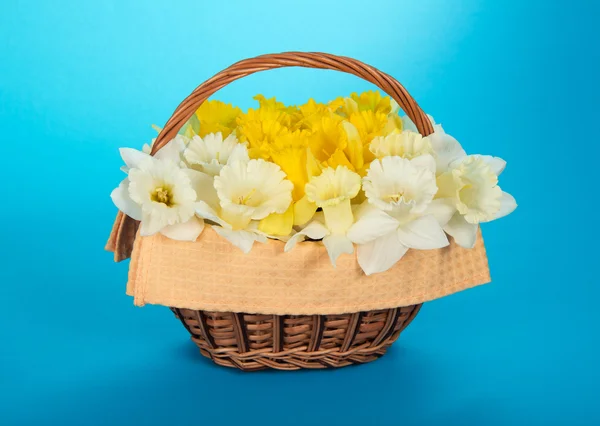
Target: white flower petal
424, 161
407, 144
255, 189
473, 186
120, 196
150, 225
381, 254
370, 224
497, 164
314, 230
507, 205
203, 184
211, 153
338, 218
238, 153
336, 245
132, 157
173, 149
244, 240
187, 231
447, 150
396, 182
207, 212
442, 210
333, 186
423, 233
464, 233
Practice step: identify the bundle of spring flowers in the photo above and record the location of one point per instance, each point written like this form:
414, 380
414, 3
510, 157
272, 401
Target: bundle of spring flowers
349, 174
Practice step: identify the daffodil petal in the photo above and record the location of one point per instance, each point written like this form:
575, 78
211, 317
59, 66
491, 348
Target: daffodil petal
424, 161
314, 230
313, 168
463, 232
336, 245
497, 164
173, 149
355, 146
304, 211
338, 218
370, 224
239, 152
380, 254
207, 212
132, 157
278, 224
244, 240
203, 184
442, 209
338, 158
423, 233
188, 231
150, 225
507, 205
447, 150
120, 196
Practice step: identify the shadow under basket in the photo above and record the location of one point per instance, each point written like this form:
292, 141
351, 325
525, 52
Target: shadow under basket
253, 342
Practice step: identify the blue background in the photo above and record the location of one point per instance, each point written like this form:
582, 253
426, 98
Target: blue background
511, 78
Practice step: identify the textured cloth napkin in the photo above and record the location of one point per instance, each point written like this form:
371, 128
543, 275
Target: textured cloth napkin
211, 274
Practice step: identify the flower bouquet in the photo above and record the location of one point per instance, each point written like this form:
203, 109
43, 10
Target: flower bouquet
351, 176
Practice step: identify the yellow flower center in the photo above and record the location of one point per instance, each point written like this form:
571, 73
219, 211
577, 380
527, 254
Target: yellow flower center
245, 199
163, 195
393, 198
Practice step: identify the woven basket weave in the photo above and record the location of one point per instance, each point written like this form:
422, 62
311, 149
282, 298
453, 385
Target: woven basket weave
290, 342
286, 342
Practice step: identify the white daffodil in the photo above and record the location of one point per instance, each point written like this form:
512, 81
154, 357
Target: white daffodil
254, 189
407, 144
471, 185
336, 224
401, 185
404, 190
211, 153
244, 193
160, 195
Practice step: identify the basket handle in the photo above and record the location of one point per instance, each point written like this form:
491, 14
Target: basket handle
240, 69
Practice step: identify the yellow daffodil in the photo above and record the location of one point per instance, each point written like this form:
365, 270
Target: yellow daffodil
261, 128
366, 101
372, 101
328, 140
212, 117
311, 113
288, 151
292, 113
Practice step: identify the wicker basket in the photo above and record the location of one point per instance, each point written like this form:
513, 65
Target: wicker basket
285, 342
290, 342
